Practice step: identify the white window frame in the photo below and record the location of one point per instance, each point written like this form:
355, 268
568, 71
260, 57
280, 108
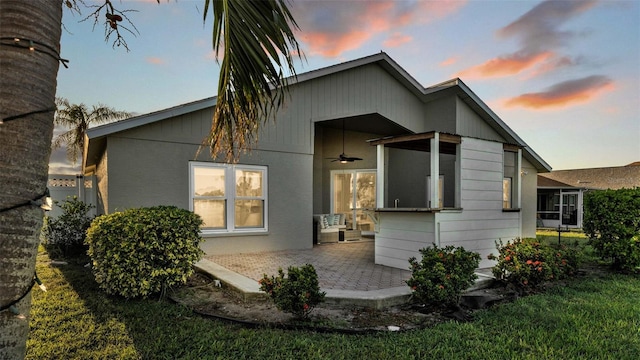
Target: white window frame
512, 180
230, 196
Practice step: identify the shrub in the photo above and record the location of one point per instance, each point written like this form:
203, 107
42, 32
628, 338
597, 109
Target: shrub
527, 263
297, 293
612, 223
143, 251
442, 274
68, 231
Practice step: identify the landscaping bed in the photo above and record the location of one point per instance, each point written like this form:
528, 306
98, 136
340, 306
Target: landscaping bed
205, 298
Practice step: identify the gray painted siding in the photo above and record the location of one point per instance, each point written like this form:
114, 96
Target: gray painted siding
365, 90
468, 123
401, 236
440, 115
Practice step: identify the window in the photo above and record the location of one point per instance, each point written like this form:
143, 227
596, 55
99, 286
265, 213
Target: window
511, 178
229, 198
351, 187
506, 193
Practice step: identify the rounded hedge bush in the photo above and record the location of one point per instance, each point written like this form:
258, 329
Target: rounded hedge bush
442, 274
139, 252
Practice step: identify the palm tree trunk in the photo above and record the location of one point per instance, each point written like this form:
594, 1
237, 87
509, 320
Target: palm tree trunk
27, 84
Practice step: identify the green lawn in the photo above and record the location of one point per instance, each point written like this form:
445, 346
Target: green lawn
591, 318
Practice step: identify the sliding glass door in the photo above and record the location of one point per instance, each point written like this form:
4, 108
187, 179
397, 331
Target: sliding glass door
352, 191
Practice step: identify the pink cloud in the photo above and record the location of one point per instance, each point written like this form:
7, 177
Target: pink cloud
540, 36
397, 39
504, 66
450, 61
329, 46
155, 60
329, 28
564, 94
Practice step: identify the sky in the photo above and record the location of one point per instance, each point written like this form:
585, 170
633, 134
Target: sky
564, 75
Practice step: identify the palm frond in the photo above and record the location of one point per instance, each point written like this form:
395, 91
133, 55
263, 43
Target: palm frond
77, 118
255, 41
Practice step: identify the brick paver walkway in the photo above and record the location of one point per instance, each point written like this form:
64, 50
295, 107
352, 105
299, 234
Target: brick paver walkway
340, 266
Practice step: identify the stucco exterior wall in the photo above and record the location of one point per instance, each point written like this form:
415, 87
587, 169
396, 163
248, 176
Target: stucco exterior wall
150, 173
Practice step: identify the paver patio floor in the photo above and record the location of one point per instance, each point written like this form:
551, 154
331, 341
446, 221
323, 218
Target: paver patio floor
340, 266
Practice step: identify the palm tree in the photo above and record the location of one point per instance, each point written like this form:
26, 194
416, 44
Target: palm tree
77, 118
27, 104
253, 36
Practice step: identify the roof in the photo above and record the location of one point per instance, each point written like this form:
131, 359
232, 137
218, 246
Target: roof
544, 182
617, 177
97, 135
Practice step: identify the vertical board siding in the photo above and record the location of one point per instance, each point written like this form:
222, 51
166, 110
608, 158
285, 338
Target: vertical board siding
468, 123
440, 115
365, 90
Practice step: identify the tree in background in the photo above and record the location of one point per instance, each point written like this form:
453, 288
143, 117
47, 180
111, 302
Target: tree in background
252, 35
77, 118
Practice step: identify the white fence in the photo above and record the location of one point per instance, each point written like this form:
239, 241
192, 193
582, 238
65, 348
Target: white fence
63, 186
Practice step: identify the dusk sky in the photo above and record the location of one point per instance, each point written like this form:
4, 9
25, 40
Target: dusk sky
564, 75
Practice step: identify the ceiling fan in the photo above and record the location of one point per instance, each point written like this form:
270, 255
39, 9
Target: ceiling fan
343, 158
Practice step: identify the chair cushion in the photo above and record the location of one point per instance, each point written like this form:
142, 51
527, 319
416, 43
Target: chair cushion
325, 221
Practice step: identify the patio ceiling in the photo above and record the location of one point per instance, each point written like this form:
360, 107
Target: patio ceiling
420, 142
368, 123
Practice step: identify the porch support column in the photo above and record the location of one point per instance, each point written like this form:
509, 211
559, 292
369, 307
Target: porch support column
380, 185
435, 170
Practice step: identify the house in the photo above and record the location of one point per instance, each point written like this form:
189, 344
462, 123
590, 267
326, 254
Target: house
560, 193
437, 166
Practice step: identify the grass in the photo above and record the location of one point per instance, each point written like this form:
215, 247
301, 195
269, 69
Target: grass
593, 317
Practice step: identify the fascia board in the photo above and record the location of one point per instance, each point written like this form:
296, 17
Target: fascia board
145, 119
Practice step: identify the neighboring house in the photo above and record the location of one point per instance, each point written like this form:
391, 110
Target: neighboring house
438, 166
560, 193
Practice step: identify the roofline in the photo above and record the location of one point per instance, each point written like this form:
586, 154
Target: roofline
381, 58
149, 118
459, 84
